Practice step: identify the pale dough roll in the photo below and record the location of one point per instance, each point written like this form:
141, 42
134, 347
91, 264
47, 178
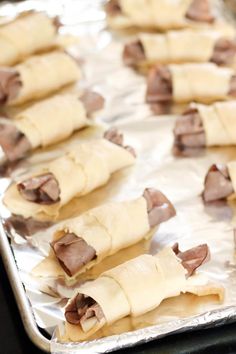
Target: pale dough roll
155, 46
86, 166
109, 228
95, 234
127, 223
177, 46
113, 155
200, 82
156, 13
170, 14
70, 176
43, 74
26, 35
147, 280
52, 120
218, 121
109, 295
134, 287
139, 12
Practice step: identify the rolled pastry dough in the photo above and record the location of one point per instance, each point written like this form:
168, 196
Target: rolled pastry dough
161, 14
43, 74
219, 121
109, 227
26, 35
177, 307
200, 82
135, 287
52, 120
80, 170
177, 46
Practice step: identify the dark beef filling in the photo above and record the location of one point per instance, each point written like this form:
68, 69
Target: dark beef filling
42, 189
217, 184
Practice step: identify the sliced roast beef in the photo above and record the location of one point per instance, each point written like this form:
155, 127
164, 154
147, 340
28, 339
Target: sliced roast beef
43, 189
14, 143
200, 11
232, 90
133, 53
10, 84
224, 51
114, 136
160, 209
113, 8
217, 184
159, 85
81, 308
189, 130
92, 101
193, 258
73, 253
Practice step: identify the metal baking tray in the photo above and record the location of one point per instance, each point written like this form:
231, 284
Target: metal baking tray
135, 119
206, 320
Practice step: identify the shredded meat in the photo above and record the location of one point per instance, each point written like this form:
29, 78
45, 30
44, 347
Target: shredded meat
159, 85
224, 51
73, 253
133, 53
200, 10
43, 189
14, 143
217, 184
159, 208
10, 84
189, 130
114, 136
81, 308
193, 258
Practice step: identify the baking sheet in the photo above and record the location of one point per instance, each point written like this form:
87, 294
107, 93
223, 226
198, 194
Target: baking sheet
181, 179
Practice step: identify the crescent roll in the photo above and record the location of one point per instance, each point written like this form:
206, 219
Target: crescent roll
203, 125
82, 242
27, 34
220, 182
37, 77
203, 83
132, 289
177, 47
160, 14
47, 122
82, 168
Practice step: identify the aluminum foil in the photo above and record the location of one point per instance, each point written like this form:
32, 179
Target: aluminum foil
181, 179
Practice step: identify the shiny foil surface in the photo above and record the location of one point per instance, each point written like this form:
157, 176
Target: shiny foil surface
180, 178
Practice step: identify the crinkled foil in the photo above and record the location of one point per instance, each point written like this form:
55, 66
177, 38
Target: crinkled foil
181, 179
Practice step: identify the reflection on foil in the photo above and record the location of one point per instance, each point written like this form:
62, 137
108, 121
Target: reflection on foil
181, 179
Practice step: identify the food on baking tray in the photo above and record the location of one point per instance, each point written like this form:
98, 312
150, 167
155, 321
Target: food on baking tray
133, 289
83, 167
82, 242
36, 77
204, 83
161, 14
181, 46
220, 182
30, 32
47, 122
203, 125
